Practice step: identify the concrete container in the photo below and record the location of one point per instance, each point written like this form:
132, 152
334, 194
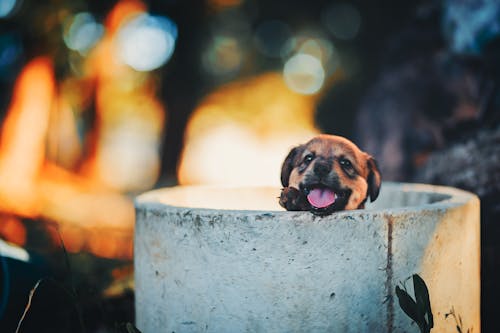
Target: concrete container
211, 259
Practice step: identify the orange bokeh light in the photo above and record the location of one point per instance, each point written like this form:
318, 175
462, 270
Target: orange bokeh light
43, 174
241, 133
22, 145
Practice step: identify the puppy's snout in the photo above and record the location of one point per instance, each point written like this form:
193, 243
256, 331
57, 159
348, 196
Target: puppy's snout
321, 169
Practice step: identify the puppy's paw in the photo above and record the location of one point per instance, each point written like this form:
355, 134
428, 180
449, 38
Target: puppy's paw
293, 199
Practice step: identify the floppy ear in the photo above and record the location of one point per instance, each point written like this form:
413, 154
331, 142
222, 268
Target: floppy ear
289, 164
374, 179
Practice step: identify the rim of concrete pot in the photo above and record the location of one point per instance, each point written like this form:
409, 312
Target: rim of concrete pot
264, 199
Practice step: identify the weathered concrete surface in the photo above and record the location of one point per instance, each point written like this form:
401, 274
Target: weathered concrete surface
219, 270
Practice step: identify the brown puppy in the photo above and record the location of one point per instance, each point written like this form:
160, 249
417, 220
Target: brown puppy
327, 174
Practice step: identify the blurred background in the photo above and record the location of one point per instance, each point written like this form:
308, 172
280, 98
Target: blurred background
103, 100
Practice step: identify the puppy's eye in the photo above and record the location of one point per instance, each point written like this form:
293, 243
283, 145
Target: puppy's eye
308, 158
346, 164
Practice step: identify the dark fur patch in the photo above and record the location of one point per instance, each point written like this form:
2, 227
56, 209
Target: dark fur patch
374, 179
289, 164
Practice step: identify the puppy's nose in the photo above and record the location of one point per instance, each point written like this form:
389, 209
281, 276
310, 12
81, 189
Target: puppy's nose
321, 169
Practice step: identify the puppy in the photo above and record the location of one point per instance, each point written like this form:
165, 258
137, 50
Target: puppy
327, 174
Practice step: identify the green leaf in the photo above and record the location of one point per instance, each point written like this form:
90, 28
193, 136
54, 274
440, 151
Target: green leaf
406, 303
423, 300
131, 328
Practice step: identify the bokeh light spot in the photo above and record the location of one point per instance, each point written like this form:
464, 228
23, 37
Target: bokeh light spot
343, 20
223, 57
304, 74
323, 50
469, 26
10, 51
8, 7
147, 42
83, 33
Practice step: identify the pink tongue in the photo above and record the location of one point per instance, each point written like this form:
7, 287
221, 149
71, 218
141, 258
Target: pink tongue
321, 197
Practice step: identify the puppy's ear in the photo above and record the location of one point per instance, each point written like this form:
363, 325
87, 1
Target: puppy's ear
289, 164
374, 179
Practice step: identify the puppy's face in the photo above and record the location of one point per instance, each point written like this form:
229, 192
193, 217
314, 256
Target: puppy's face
327, 174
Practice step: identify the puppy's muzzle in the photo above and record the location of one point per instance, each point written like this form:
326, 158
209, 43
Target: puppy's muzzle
323, 191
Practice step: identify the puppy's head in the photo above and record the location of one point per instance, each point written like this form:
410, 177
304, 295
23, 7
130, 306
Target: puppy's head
332, 174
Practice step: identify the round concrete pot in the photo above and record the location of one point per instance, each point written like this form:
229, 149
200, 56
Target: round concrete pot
211, 259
